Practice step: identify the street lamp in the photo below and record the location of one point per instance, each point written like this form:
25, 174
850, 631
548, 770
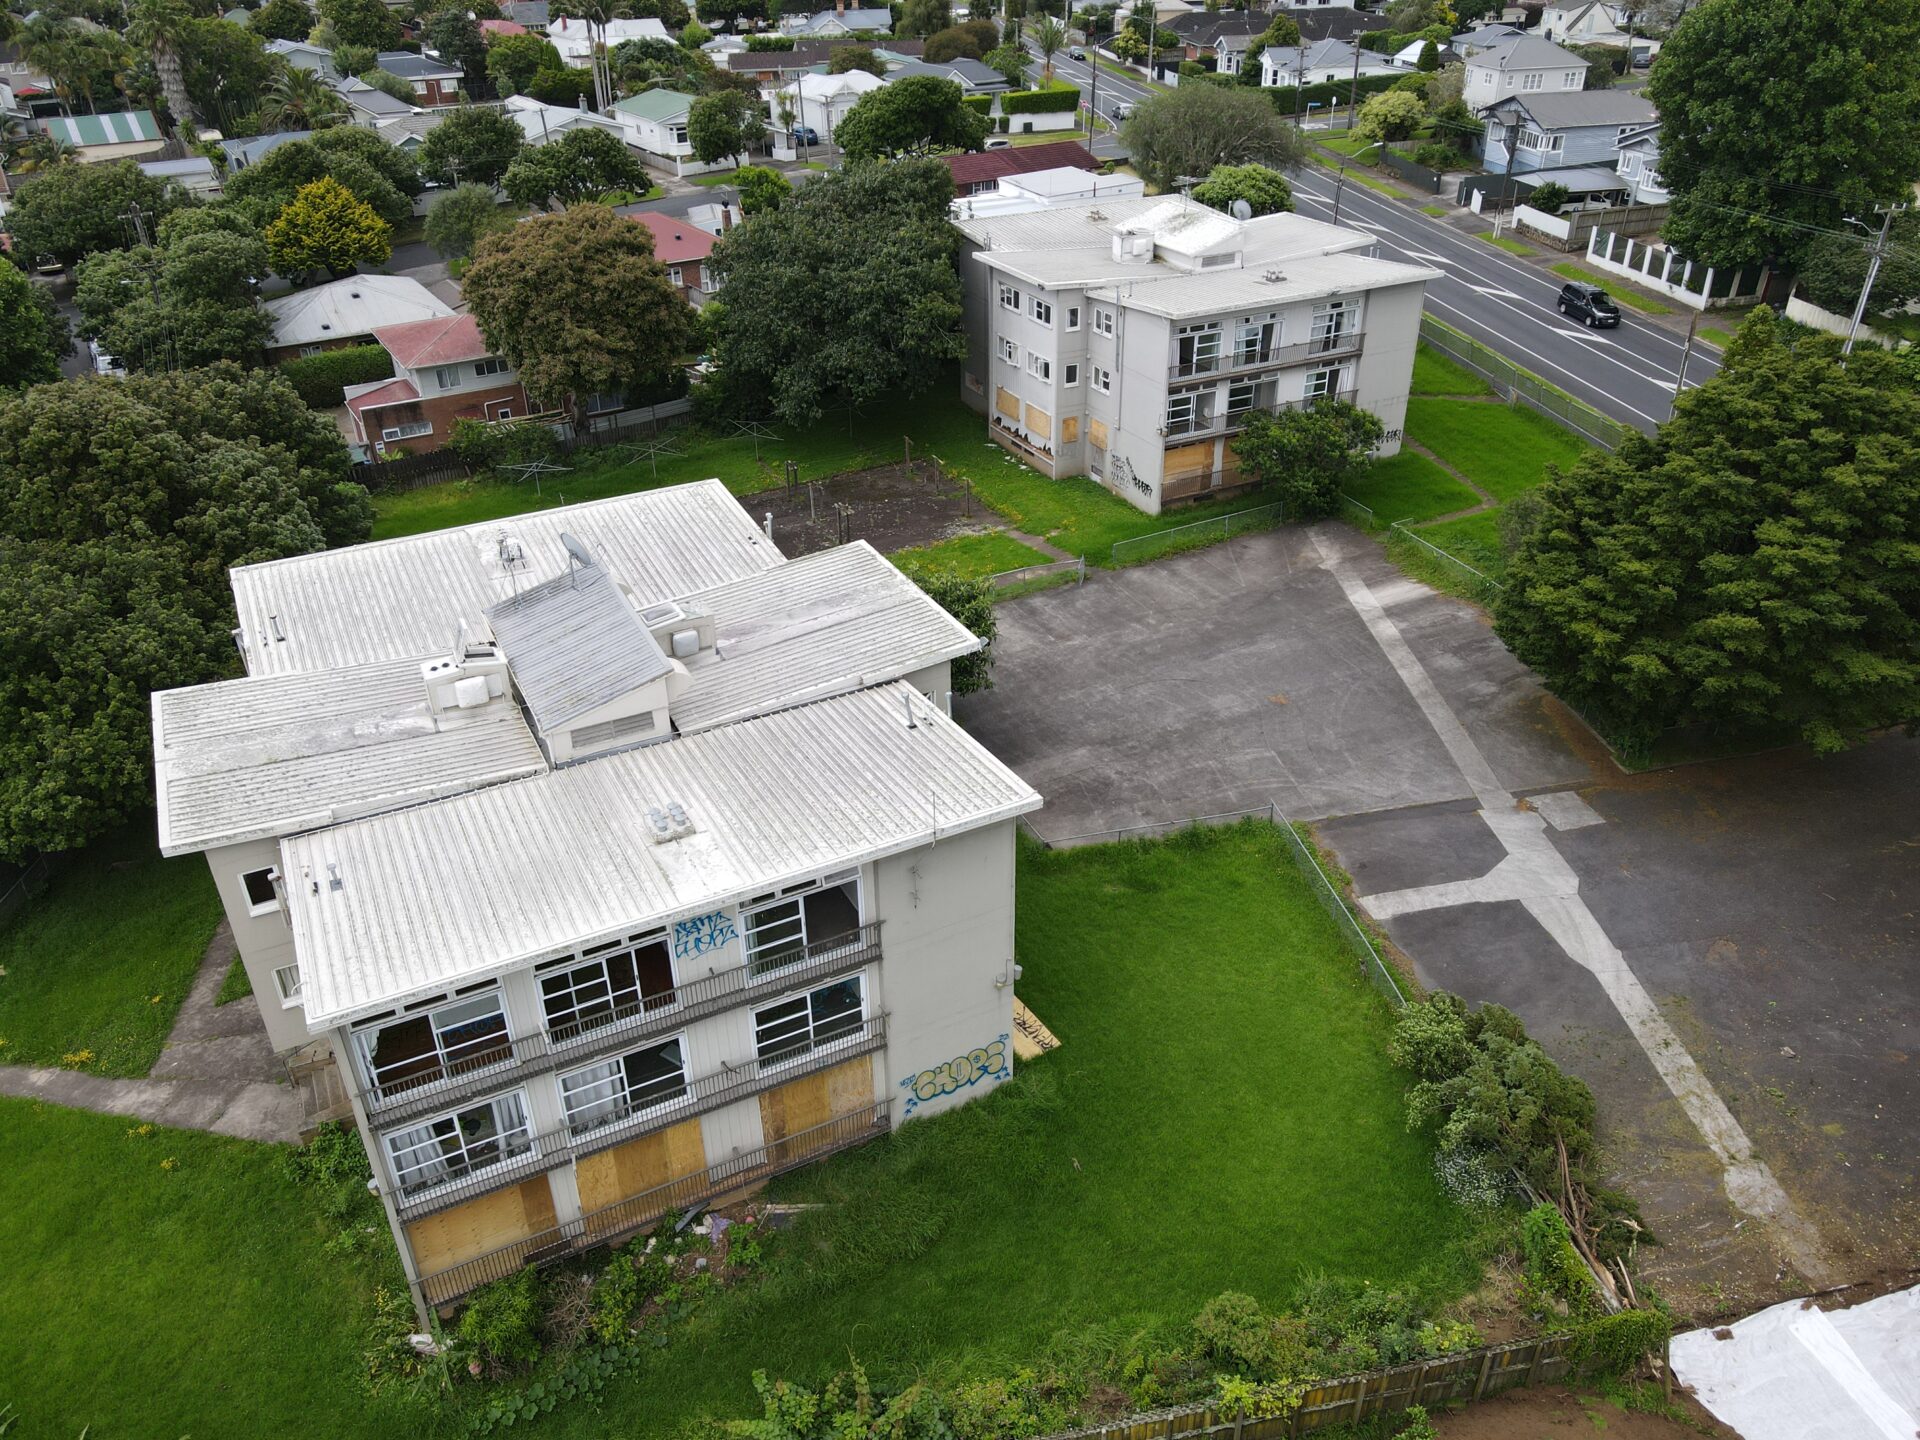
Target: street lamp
1341, 184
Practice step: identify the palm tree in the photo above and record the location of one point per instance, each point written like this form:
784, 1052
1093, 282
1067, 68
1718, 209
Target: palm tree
159, 27
1049, 38
301, 100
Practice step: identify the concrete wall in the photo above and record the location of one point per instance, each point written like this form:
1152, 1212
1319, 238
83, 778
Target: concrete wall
265, 941
1384, 374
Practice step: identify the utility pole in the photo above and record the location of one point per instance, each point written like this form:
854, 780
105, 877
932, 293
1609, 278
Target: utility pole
1680, 380
1876, 252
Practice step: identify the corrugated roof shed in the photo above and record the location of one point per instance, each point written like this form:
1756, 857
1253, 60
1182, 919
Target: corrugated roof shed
574, 643
241, 759
820, 625
396, 598
475, 885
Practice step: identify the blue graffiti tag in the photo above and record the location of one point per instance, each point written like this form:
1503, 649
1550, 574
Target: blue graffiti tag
989, 1062
701, 934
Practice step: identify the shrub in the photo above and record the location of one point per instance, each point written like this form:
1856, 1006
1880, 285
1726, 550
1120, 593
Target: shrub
616, 1295
321, 379
1418, 1425
1233, 1330
1441, 157
981, 104
1614, 1344
501, 1323
1553, 1265
1289, 101
1045, 101
1017, 1408
1549, 198
758, 43
970, 601
484, 445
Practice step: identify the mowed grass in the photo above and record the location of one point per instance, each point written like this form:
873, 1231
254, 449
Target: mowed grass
1474, 539
1508, 244
1435, 373
1504, 449
102, 960
1625, 294
973, 555
152, 1302
1221, 1116
1411, 487
1076, 514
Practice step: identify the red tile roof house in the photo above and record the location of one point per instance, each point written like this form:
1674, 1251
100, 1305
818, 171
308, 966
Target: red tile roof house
683, 248
442, 372
973, 174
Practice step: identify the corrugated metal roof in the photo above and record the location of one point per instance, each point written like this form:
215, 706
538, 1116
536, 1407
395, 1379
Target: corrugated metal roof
119, 127
268, 755
1306, 279
397, 598
662, 104
829, 622
342, 309
574, 643
481, 883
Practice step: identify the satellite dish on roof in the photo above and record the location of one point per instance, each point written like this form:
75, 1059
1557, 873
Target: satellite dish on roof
576, 550
1240, 210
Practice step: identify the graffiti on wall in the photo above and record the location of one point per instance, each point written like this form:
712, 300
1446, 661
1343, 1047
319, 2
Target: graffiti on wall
701, 935
989, 1062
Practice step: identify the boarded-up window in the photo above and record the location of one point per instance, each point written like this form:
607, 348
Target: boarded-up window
1069, 429
518, 1212
1097, 432
1007, 403
800, 1108
1039, 422
624, 1171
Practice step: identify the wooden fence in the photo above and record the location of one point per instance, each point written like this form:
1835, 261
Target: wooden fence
1445, 1380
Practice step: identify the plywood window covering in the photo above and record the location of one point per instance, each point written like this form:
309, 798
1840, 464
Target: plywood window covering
810, 1102
624, 1171
1007, 403
1039, 422
793, 1028
479, 1227
1069, 429
1097, 432
625, 1086
461, 1142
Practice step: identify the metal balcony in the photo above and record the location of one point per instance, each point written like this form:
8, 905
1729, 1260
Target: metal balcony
1278, 357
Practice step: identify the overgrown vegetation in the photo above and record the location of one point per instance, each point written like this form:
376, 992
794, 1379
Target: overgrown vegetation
322, 379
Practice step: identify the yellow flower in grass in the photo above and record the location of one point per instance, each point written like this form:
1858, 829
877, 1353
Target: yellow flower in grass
77, 1057
169, 1164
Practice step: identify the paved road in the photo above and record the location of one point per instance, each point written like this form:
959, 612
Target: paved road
1629, 373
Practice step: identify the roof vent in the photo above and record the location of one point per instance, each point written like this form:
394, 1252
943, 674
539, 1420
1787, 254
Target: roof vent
1274, 277
671, 823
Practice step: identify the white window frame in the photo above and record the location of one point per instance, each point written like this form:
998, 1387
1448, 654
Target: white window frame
287, 981
673, 274
511, 1121
492, 365
1334, 322
446, 377
1070, 375
764, 1029
1040, 310
1073, 317
1102, 322
1101, 379
757, 919
1190, 412
1040, 367
1570, 79
1322, 383
616, 1103
1533, 80
446, 1057
1009, 297
1009, 350
407, 431
267, 875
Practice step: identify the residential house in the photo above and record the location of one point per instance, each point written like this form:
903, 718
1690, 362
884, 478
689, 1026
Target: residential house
1324, 62
1223, 36
443, 371
1408, 56
588, 921
772, 69
976, 173
367, 106
1559, 129
683, 248
1485, 36
655, 122
840, 22
196, 175
820, 101
408, 132
118, 135
244, 152
1129, 339
1638, 163
1338, 22
974, 77
543, 122
303, 55
1017, 194
574, 38
345, 312
434, 81
499, 29
534, 14
1521, 65
1597, 22
25, 91
712, 208
724, 45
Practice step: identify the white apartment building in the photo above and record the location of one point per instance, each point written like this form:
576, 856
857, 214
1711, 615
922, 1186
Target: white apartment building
1520, 65
617, 861
1129, 338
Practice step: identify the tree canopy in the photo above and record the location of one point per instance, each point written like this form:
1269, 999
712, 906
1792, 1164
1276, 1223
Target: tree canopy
122, 504
1754, 565
282, 20
473, 144
1777, 115
460, 218
73, 210
362, 22
513, 61
582, 166
578, 304
1308, 456
1197, 127
325, 226
1836, 267
187, 301
861, 57
761, 188
847, 291
382, 175
1264, 189
29, 348
725, 126
916, 116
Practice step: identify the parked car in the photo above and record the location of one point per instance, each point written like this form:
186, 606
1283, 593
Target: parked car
103, 363
805, 135
1077, 54
1588, 304
1123, 111
999, 142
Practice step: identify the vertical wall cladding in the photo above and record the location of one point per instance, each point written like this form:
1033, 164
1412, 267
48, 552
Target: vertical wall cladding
1385, 371
946, 938
265, 941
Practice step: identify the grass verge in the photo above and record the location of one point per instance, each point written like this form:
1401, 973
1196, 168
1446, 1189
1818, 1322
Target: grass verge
236, 986
99, 964
973, 555
1437, 211
1504, 449
1412, 488
1508, 244
1625, 294
1435, 373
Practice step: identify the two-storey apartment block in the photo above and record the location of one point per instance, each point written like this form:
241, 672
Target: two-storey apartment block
443, 371
618, 861
1129, 338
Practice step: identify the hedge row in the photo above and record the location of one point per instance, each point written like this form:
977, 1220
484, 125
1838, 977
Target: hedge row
1040, 102
321, 379
979, 104
1289, 100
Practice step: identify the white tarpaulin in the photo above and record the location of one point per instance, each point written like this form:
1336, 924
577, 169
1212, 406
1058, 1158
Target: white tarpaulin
1794, 1373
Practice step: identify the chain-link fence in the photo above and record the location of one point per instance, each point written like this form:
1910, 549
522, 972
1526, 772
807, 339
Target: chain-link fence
1482, 586
1351, 931
1521, 387
1200, 532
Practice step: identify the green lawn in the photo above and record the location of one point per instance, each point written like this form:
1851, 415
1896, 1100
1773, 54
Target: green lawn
1714, 335
1435, 373
102, 961
146, 1301
1076, 514
238, 985
975, 555
1508, 244
1625, 294
1504, 449
1410, 487
1474, 539
1434, 210
1120, 1182
1348, 145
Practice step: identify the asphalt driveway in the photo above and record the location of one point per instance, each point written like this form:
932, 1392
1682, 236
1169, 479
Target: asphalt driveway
1728, 953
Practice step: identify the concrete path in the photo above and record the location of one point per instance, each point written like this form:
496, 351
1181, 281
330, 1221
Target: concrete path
216, 1073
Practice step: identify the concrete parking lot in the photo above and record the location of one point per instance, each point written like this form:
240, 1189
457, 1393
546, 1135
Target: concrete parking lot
1727, 952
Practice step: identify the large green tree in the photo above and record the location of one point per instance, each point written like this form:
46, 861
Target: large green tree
377, 173
1265, 190
848, 290
1753, 565
582, 166
1835, 269
917, 116
160, 28
224, 70
725, 126
1780, 117
462, 216
1309, 455
474, 144
455, 37
362, 22
327, 227
513, 61
1197, 127
73, 210
282, 20
122, 505
579, 305
187, 301
29, 348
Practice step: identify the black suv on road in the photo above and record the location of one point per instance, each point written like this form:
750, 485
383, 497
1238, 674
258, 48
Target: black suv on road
1588, 304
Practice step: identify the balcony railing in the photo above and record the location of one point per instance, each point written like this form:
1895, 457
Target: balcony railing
1300, 353
1228, 422
614, 1221
539, 1153
541, 1050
